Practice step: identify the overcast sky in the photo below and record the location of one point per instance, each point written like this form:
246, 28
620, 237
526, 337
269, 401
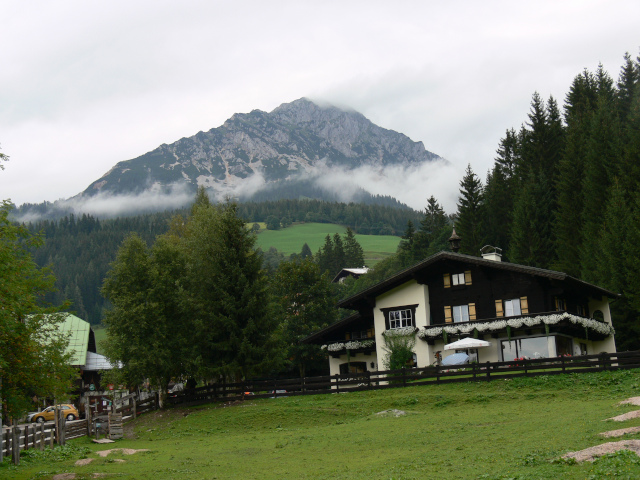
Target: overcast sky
86, 84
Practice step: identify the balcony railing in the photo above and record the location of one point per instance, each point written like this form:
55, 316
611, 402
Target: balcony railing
354, 346
532, 320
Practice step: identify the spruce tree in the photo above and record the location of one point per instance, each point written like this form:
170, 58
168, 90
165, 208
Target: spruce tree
306, 251
531, 242
469, 215
567, 220
430, 229
227, 296
406, 245
338, 261
601, 162
353, 253
305, 304
627, 86
497, 209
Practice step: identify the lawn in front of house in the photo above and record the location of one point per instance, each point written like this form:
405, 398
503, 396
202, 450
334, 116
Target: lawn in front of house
514, 428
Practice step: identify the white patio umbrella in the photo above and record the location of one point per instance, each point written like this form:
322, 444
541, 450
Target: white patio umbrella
466, 343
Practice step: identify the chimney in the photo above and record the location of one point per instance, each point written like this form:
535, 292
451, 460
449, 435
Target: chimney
491, 253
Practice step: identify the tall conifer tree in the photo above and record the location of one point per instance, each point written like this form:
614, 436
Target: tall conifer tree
469, 215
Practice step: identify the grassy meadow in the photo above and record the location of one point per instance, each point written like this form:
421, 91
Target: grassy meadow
508, 429
291, 239
101, 334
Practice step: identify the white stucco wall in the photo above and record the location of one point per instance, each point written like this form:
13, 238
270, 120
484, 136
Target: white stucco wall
334, 363
609, 343
410, 293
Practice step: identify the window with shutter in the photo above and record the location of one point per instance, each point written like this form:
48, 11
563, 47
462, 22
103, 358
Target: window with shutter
447, 280
447, 315
499, 309
467, 277
512, 307
472, 311
460, 313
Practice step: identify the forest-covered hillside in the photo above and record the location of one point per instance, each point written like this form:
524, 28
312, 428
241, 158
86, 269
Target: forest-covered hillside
80, 249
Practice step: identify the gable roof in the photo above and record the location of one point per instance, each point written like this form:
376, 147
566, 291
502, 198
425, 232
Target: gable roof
78, 331
409, 273
96, 362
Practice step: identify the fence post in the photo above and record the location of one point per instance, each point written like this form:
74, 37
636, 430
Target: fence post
26, 437
369, 379
562, 362
157, 400
488, 371
15, 445
63, 428
337, 383
2, 438
88, 418
404, 376
302, 386
135, 408
42, 436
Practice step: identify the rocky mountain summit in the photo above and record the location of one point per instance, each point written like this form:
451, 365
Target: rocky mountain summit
293, 142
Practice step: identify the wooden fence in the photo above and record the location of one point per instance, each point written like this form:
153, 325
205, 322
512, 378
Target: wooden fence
41, 435
431, 375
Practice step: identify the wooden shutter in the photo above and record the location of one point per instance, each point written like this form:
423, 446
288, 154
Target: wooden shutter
557, 306
447, 315
524, 305
347, 336
472, 311
369, 332
467, 277
447, 280
499, 309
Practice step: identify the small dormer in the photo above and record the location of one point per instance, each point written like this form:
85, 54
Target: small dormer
491, 253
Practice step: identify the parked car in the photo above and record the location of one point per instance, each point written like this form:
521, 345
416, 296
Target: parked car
70, 412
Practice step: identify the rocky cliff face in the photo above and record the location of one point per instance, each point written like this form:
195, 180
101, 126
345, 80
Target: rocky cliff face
294, 140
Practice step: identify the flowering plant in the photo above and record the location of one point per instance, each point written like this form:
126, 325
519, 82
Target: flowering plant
399, 332
352, 345
587, 323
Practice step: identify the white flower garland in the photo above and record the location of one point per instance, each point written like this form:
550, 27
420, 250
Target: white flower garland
589, 323
399, 332
352, 345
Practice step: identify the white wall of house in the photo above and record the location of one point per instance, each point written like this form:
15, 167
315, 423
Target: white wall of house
609, 343
334, 363
410, 293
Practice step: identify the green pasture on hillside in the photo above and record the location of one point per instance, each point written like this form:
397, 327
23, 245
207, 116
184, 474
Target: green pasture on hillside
505, 429
291, 239
100, 333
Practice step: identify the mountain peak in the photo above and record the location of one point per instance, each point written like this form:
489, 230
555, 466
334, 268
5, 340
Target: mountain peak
259, 148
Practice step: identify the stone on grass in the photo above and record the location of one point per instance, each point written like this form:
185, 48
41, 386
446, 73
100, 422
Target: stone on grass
626, 416
620, 432
590, 454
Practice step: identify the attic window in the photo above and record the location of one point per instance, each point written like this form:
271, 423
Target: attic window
455, 279
399, 317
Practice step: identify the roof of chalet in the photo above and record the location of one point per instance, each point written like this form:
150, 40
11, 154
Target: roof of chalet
408, 274
95, 362
345, 271
78, 331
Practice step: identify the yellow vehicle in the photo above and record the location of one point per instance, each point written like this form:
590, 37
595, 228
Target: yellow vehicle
70, 412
